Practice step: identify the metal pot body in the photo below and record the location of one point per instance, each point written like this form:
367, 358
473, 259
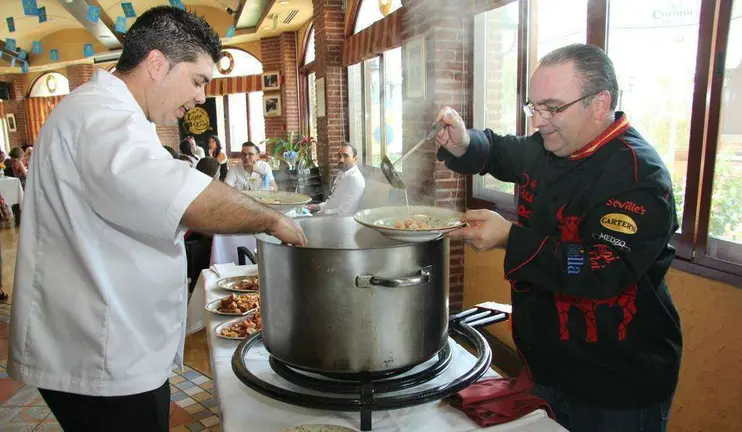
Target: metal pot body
353, 301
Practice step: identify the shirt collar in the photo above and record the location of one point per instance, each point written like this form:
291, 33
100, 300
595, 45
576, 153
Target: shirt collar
619, 126
119, 89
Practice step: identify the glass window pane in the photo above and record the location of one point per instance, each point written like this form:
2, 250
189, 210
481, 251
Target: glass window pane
257, 121
50, 84
558, 24
370, 11
237, 121
309, 55
355, 106
220, 124
372, 111
312, 91
653, 46
726, 213
393, 103
496, 79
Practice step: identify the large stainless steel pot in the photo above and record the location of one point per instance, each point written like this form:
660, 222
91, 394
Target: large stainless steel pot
353, 301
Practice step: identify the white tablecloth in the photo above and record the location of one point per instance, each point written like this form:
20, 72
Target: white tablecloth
243, 409
12, 191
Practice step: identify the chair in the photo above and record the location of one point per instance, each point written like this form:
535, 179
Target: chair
198, 257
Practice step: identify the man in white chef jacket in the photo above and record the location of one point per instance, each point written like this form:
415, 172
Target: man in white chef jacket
100, 293
347, 189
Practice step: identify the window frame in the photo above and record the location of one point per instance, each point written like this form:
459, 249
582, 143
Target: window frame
304, 71
226, 146
693, 242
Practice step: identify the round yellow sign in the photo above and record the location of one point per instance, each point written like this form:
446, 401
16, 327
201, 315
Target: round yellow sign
197, 120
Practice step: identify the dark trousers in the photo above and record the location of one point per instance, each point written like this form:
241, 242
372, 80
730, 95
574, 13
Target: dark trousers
145, 412
578, 417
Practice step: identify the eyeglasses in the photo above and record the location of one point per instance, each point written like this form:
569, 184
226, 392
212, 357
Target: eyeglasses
546, 113
248, 154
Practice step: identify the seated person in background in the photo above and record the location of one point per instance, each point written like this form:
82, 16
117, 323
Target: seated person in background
14, 167
185, 158
198, 151
209, 166
252, 173
187, 149
27, 155
347, 188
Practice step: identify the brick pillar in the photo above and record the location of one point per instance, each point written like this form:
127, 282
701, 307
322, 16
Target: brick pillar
328, 32
447, 52
270, 49
169, 136
79, 74
16, 106
289, 84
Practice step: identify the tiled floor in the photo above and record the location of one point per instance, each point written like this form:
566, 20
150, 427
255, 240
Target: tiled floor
192, 406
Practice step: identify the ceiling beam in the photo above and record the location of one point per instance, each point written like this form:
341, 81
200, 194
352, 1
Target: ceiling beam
103, 29
263, 17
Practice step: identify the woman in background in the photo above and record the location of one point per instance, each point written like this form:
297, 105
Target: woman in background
215, 151
186, 148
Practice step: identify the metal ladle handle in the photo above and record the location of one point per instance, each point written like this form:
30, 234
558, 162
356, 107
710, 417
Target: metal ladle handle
430, 135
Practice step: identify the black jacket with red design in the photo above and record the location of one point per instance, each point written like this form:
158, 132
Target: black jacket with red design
587, 262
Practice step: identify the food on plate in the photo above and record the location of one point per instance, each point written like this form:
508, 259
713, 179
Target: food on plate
268, 200
244, 328
414, 224
250, 283
238, 303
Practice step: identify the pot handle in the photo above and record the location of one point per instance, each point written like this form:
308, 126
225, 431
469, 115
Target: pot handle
368, 281
478, 317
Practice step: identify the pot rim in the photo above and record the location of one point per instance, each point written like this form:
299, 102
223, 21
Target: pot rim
263, 238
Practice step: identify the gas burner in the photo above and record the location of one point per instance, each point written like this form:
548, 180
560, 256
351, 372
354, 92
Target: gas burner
373, 392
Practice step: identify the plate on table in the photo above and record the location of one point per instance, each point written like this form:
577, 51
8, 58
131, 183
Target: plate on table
240, 328
410, 224
282, 202
240, 284
235, 304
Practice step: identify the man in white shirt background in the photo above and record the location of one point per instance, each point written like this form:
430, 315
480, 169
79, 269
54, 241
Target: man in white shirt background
252, 173
198, 151
347, 189
100, 294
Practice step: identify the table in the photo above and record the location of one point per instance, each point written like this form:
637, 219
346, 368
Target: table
12, 191
243, 409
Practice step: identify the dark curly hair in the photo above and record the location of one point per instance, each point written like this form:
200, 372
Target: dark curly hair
180, 35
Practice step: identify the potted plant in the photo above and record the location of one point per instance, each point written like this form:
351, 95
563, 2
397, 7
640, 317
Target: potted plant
294, 149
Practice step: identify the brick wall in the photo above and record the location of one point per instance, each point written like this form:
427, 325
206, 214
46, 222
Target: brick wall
328, 31
447, 52
169, 136
270, 49
16, 106
289, 85
79, 74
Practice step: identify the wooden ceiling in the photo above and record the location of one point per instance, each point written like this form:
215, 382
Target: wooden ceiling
68, 29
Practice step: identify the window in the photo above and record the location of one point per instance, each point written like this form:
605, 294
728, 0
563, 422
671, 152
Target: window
497, 47
309, 88
375, 95
50, 84
679, 70
239, 115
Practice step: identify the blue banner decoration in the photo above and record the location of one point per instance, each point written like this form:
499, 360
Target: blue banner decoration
177, 3
87, 50
54, 54
93, 13
128, 9
22, 55
11, 24
30, 8
230, 31
42, 14
121, 24
37, 48
10, 44
24, 67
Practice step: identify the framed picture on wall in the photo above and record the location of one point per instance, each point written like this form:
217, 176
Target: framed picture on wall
12, 126
415, 59
319, 86
271, 81
272, 105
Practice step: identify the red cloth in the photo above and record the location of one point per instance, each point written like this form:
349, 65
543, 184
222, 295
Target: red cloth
495, 401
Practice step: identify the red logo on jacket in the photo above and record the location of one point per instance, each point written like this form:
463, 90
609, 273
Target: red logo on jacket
589, 307
569, 226
629, 206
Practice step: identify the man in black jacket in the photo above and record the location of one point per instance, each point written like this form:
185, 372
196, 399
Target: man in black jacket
587, 259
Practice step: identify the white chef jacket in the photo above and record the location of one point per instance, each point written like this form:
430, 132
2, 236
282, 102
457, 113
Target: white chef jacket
100, 297
347, 190
239, 177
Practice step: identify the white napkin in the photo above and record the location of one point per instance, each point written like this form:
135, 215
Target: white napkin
230, 269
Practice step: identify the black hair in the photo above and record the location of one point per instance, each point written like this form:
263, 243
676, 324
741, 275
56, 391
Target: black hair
208, 166
218, 145
185, 148
179, 35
